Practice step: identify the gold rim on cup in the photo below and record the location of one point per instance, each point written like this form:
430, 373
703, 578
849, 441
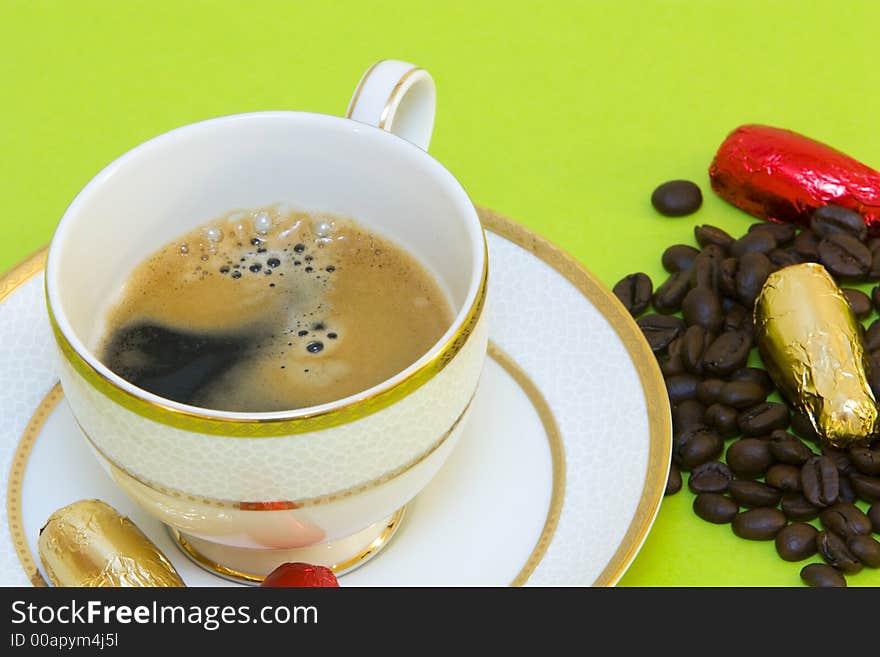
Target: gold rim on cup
190, 419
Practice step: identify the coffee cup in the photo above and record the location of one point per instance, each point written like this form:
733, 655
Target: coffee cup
244, 492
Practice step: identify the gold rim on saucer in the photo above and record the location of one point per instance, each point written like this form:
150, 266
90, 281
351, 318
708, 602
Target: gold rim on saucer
653, 386
508, 364
659, 420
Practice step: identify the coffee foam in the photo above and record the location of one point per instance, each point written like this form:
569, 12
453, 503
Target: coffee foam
325, 307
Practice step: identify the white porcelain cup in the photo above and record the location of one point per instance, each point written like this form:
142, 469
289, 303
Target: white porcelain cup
243, 492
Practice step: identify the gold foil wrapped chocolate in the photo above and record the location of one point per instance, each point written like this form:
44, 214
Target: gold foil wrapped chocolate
88, 543
811, 345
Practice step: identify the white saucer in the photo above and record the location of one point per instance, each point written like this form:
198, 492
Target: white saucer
556, 481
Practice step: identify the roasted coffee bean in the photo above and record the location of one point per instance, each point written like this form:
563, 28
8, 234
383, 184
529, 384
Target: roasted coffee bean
874, 272
634, 292
681, 387
833, 549
847, 493
741, 394
706, 270
660, 330
753, 493
794, 254
796, 507
754, 375
737, 319
858, 301
749, 457
759, 524
706, 235
844, 256
714, 252
727, 353
687, 415
872, 365
875, 297
758, 241
803, 427
830, 219
677, 198
693, 343
754, 268
679, 257
865, 549
780, 258
695, 447
797, 541
723, 419
867, 488
872, 337
820, 481
783, 476
727, 304
807, 245
782, 233
713, 507
840, 458
702, 307
668, 297
865, 460
764, 418
846, 520
708, 391
671, 366
727, 277
822, 576
788, 449
673, 481
874, 515
710, 477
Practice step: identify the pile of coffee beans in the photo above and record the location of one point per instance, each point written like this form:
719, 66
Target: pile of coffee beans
752, 461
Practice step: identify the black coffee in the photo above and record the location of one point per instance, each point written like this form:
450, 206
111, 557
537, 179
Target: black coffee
267, 311
172, 363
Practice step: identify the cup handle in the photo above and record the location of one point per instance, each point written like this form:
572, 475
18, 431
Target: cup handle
398, 97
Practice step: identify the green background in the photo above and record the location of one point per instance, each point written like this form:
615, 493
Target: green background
563, 115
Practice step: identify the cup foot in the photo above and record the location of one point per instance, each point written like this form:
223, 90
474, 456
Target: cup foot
250, 566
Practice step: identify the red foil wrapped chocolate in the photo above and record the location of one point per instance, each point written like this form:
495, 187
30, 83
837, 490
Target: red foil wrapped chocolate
783, 176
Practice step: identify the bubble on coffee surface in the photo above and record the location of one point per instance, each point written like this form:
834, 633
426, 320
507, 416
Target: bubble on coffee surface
305, 338
262, 222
